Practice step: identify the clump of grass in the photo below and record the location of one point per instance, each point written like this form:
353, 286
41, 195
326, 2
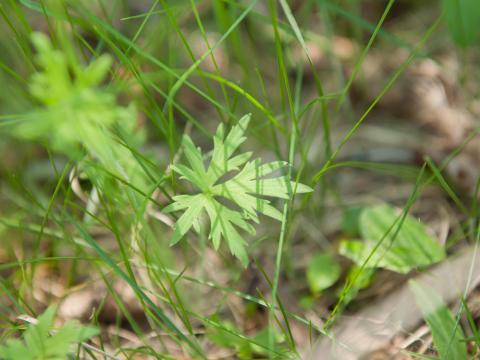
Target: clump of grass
116, 97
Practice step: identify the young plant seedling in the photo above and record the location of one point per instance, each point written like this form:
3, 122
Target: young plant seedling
42, 341
243, 189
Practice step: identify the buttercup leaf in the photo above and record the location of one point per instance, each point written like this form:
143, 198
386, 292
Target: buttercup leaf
246, 190
79, 117
42, 341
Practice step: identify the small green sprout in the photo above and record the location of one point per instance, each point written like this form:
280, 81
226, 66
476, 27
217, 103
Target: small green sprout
42, 341
243, 190
79, 117
77, 114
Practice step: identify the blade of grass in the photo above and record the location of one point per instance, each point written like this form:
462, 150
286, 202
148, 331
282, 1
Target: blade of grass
318, 83
395, 228
164, 319
182, 79
417, 190
318, 176
294, 132
437, 173
363, 55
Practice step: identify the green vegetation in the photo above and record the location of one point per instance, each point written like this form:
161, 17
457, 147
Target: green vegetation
322, 272
447, 334
125, 151
388, 241
249, 180
42, 341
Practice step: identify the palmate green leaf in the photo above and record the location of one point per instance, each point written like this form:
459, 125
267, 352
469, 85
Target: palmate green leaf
222, 221
193, 205
41, 341
76, 112
412, 246
243, 190
249, 182
223, 150
447, 335
78, 116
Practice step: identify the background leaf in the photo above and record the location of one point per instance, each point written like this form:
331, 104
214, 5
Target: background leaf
397, 249
322, 272
43, 341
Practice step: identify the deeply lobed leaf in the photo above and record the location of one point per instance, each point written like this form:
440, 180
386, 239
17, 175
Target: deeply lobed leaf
42, 341
246, 190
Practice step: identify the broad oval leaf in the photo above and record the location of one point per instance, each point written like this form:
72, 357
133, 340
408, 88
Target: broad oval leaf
390, 243
322, 272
